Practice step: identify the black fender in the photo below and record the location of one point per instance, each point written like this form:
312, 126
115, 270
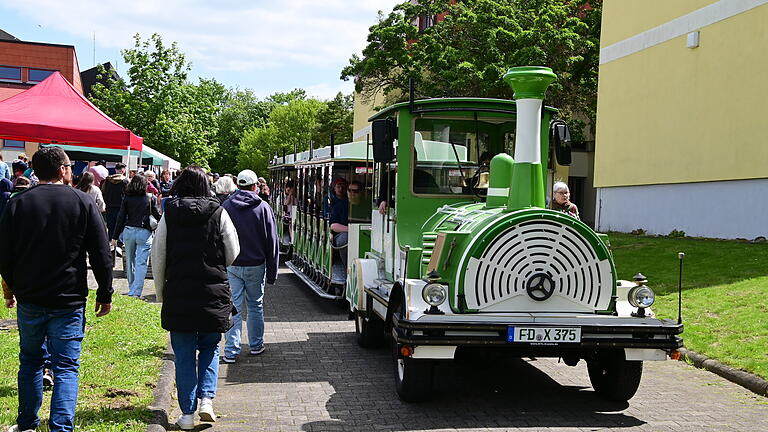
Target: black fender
396, 298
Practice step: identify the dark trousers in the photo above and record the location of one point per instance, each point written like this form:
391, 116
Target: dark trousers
111, 218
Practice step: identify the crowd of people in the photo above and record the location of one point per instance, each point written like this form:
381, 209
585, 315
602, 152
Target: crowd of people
213, 247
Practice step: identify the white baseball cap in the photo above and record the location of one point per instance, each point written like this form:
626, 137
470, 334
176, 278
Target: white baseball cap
247, 178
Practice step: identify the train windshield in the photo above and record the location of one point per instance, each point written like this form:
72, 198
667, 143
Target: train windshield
450, 153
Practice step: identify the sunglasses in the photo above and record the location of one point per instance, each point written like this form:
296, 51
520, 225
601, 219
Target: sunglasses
354, 190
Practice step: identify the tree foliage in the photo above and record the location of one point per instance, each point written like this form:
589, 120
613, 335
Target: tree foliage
290, 126
468, 52
207, 123
335, 118
156, 101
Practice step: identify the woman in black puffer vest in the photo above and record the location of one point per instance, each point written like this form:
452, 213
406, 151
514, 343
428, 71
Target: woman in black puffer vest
195, 241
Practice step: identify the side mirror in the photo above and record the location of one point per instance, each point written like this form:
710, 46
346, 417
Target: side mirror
384, 132
560, 139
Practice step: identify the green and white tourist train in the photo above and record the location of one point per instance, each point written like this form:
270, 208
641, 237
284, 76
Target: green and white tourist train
450, 246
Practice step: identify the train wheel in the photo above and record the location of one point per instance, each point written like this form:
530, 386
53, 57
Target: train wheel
413, 377
369, 330
614, 378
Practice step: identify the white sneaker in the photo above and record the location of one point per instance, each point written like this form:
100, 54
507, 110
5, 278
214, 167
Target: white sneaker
186, 422
15, 428
206, 410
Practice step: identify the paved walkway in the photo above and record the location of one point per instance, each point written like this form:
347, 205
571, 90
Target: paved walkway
314, 377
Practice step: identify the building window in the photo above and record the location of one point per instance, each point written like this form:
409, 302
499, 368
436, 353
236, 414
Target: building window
13, 144
10, 73
37, 75
426, 22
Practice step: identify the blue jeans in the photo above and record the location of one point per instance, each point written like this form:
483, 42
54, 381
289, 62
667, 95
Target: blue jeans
248, 280
196, 374
64, 330
138, 244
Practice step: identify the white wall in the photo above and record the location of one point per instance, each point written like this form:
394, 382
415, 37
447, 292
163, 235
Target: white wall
726, 209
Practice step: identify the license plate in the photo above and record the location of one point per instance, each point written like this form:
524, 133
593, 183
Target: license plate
544, 334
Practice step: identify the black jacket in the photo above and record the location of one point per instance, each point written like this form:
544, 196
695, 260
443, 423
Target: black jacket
113, 190
134, 212
196, 297
45, 233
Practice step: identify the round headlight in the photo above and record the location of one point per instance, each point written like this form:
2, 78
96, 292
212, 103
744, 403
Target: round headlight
641, 296
434, 294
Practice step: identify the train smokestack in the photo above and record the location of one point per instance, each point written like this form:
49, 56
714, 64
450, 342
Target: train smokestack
529, 83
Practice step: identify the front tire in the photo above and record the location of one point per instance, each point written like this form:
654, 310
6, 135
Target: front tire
613, 377
413, 378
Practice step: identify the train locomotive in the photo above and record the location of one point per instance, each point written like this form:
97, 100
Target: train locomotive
454, 248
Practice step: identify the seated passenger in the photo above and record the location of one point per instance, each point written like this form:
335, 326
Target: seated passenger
338, 216
359, 202
561, 200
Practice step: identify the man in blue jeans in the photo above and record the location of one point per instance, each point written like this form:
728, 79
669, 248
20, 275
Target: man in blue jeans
255, 265
46, 233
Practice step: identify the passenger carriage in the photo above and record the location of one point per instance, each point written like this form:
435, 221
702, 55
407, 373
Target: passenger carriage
466, 255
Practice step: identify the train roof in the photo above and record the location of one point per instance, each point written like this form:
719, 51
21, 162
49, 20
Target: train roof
455, 103
352, 151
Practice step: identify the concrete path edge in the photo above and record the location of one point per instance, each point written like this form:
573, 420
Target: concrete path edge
745, 379
161, 404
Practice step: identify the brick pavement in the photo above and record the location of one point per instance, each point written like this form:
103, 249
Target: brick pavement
314, 377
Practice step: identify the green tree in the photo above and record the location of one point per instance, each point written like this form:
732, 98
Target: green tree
157, 103
335, 118
290, 126
468, 52
253, 151
242, 111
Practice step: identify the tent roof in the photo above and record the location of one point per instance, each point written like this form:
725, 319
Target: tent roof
149, 156
54, 112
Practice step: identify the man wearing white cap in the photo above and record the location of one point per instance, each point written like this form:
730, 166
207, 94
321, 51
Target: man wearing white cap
255, 265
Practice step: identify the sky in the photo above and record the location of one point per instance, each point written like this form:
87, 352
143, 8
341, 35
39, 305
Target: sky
267, 46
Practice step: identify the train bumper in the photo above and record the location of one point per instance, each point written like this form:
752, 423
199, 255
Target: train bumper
593, 333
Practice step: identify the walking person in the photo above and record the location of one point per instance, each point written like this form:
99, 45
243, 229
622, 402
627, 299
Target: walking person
195, 241
46, 271
113, 191
86, 185
134, 222
256, 263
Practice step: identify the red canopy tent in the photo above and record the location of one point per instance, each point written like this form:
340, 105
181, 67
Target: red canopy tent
54, 112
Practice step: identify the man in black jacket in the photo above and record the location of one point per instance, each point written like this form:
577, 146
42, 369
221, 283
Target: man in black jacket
113, 190
46, 232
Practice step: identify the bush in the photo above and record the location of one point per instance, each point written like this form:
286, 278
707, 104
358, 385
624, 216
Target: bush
676, 233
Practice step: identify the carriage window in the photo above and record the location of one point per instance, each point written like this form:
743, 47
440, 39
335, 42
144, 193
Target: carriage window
449, 152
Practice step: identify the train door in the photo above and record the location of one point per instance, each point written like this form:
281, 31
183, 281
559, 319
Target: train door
383, 216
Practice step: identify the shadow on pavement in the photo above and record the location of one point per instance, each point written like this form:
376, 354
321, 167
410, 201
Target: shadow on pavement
479, 392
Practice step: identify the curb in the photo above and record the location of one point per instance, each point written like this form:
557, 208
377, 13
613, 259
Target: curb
161, 403
745, 379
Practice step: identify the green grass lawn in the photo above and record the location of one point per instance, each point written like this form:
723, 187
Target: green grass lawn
725, 285
119, 367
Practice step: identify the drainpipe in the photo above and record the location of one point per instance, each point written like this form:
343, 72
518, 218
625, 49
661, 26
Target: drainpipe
529, 84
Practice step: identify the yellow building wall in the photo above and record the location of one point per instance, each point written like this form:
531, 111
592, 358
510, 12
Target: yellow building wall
363, 109
672, 114
625, 18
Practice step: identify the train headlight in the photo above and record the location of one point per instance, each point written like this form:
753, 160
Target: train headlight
434, 294
641, 297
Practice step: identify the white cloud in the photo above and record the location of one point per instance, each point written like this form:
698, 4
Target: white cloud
326, 91
224, 35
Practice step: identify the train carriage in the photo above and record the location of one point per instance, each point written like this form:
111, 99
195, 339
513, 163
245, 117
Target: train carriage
459, 251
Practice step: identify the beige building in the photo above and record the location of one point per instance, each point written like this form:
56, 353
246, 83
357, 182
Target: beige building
679, 124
